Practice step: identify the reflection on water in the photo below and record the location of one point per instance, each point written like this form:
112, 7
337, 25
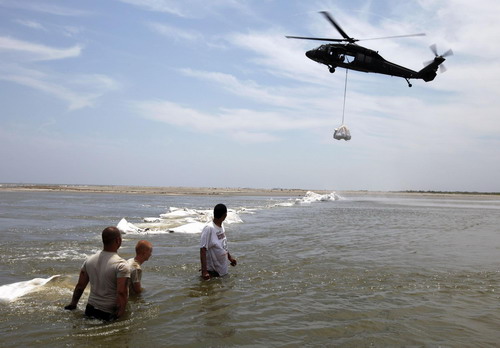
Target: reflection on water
368, 270
214, 308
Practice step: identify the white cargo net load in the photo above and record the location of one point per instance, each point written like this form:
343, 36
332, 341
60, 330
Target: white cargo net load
342, 133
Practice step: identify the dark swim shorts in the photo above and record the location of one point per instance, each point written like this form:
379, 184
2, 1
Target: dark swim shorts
213, 274
92, 312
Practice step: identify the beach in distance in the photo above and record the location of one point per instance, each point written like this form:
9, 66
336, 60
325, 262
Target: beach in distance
156, 190
224, 191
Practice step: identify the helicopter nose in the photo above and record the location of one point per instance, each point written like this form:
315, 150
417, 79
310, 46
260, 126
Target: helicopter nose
311, 54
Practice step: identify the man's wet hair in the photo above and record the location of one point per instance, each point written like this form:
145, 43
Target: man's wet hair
109, 234
219, 210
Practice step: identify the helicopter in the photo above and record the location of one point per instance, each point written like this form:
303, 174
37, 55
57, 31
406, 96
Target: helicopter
349, 55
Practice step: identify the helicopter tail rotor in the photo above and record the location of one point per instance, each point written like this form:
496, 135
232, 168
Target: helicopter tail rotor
438, 56
433, 48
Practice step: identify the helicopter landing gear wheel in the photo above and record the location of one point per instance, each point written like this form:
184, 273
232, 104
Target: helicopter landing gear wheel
331, 69
408, 81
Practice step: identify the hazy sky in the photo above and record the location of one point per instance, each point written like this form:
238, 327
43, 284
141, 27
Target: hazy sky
211, 93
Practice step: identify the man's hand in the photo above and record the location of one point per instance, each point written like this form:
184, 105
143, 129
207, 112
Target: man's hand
203, 258
205, 275
233, 261
83, 280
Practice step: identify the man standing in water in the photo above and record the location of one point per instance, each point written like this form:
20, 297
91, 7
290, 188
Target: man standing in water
143, 251
108, 275
214, 255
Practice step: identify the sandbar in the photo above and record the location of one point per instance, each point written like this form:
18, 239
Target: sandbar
226, 191
158, 190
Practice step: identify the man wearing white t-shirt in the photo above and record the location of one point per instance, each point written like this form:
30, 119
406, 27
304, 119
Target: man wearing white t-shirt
108, 275
214, 255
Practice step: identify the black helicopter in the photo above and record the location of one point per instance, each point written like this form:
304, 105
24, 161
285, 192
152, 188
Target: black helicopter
347, 54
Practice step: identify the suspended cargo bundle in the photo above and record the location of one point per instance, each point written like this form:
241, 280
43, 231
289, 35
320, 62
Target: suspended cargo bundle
342, 133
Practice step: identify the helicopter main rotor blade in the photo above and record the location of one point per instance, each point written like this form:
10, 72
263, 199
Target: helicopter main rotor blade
339, 29
315, 38
393, 37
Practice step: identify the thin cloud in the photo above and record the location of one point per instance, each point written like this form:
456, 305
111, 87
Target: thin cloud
248, 89
260, 124
189, 8
254, 137
31, 24
174, 33
279, 56
75, 100
77, 91
71, 31
301, 99
43, 7
172, 7
37, 52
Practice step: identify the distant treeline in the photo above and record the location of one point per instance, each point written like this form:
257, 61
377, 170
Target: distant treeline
452, 192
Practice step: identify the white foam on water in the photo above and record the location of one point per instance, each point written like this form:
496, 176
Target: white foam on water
176, 213
312, 197
187, 220
309, 197
282, 204
12, 292
61, 255
152, 220
68, 254
126, 227
146, 228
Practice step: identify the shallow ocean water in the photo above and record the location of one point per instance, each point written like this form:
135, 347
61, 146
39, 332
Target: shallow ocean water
368, 270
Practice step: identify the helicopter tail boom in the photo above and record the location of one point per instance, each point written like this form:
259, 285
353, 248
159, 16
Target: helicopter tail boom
430, 71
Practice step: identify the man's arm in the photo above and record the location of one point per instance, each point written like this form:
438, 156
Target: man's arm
135, 280
231, 259
83, 280
137, 287
203, 259
121, 296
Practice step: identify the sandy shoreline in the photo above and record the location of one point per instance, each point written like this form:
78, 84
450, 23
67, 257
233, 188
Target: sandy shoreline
213, 191
169, 190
